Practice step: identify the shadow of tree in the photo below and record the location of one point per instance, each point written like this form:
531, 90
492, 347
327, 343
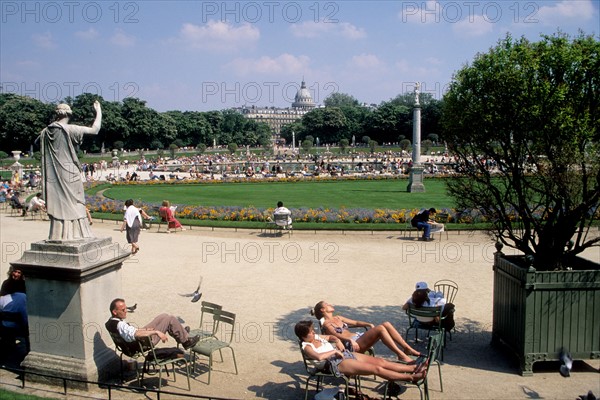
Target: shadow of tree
469, 347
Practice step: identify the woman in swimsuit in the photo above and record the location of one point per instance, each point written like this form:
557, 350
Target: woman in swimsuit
329, 348
338, 326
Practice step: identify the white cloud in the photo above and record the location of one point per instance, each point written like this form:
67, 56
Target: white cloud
474, 26
122, 39
566, 9
311, 29
218, 35
366, 61
89, 34
44, 40
284, 63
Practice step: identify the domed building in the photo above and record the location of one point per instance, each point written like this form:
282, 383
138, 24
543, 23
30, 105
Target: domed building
303, 99
277, 117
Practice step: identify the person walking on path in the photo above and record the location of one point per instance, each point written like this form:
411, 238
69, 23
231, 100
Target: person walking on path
132, 222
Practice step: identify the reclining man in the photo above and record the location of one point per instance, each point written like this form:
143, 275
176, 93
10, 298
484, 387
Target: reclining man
156, 329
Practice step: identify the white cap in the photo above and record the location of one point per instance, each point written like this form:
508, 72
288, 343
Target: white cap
421, 285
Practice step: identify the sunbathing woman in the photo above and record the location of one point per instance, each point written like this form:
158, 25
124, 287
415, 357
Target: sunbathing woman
330, 349
338, 327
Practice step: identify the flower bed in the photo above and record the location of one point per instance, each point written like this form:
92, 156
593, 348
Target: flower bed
320, 215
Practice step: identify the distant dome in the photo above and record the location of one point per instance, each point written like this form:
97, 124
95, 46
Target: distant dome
303, 98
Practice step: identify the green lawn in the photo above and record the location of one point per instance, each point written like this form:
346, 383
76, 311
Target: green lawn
8, 395
369, 194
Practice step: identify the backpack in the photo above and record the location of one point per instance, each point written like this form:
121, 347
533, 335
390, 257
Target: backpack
416, 219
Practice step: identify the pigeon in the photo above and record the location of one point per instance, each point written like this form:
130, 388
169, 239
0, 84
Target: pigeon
567, 363
132, 308
588, 396
196, 295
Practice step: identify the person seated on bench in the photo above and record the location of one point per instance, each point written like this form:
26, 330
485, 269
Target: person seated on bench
155, 329
37, 203
281, 210
166, 214
338, 327
330, 350
425, 297
17, 204
423, 221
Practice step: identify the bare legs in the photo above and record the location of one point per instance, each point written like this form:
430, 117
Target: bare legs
367, 365
390, 337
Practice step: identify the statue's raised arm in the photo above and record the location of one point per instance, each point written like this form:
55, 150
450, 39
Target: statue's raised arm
61, 171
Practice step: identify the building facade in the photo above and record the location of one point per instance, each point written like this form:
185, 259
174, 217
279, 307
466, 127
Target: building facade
276, 117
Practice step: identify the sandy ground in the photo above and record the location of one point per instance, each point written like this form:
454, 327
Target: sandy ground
272, 282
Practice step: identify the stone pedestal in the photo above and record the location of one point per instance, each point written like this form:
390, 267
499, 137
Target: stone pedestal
70, 285
415, 180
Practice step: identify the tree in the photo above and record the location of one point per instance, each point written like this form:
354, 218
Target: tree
340, 100
532, 108
232, 147
307, 145
372, 145
405, 144
173, 150
344, 143
156, 144
325, 123
426, 145
21, 121
201, 148
389, 120
433, 137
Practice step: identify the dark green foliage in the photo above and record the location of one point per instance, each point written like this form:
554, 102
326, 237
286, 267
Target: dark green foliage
533, 110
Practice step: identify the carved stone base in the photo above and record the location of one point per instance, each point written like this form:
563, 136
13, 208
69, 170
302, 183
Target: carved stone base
415, 181
70, 285
100, 369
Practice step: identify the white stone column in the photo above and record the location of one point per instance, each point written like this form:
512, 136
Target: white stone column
415, 183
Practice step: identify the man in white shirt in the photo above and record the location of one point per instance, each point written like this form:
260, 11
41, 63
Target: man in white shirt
156, 329
281, 210
37, 203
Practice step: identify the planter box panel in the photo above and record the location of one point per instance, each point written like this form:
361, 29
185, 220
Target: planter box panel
536, 314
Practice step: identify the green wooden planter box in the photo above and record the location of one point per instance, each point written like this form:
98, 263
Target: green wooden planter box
536, 314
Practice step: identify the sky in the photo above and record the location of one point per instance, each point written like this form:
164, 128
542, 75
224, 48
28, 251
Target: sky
214, 55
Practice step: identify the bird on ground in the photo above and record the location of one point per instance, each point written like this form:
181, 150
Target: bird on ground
588, 396
567, 363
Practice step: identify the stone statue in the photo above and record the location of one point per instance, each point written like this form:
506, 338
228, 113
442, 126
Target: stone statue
61, 171
417, 91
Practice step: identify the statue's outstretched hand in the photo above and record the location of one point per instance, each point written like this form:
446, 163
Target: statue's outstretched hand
97, 106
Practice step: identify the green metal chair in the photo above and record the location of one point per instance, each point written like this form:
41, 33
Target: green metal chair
207, 329
425, 312
315, 370
433, 351
211, 344
162, 358
131, 350
448, 288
